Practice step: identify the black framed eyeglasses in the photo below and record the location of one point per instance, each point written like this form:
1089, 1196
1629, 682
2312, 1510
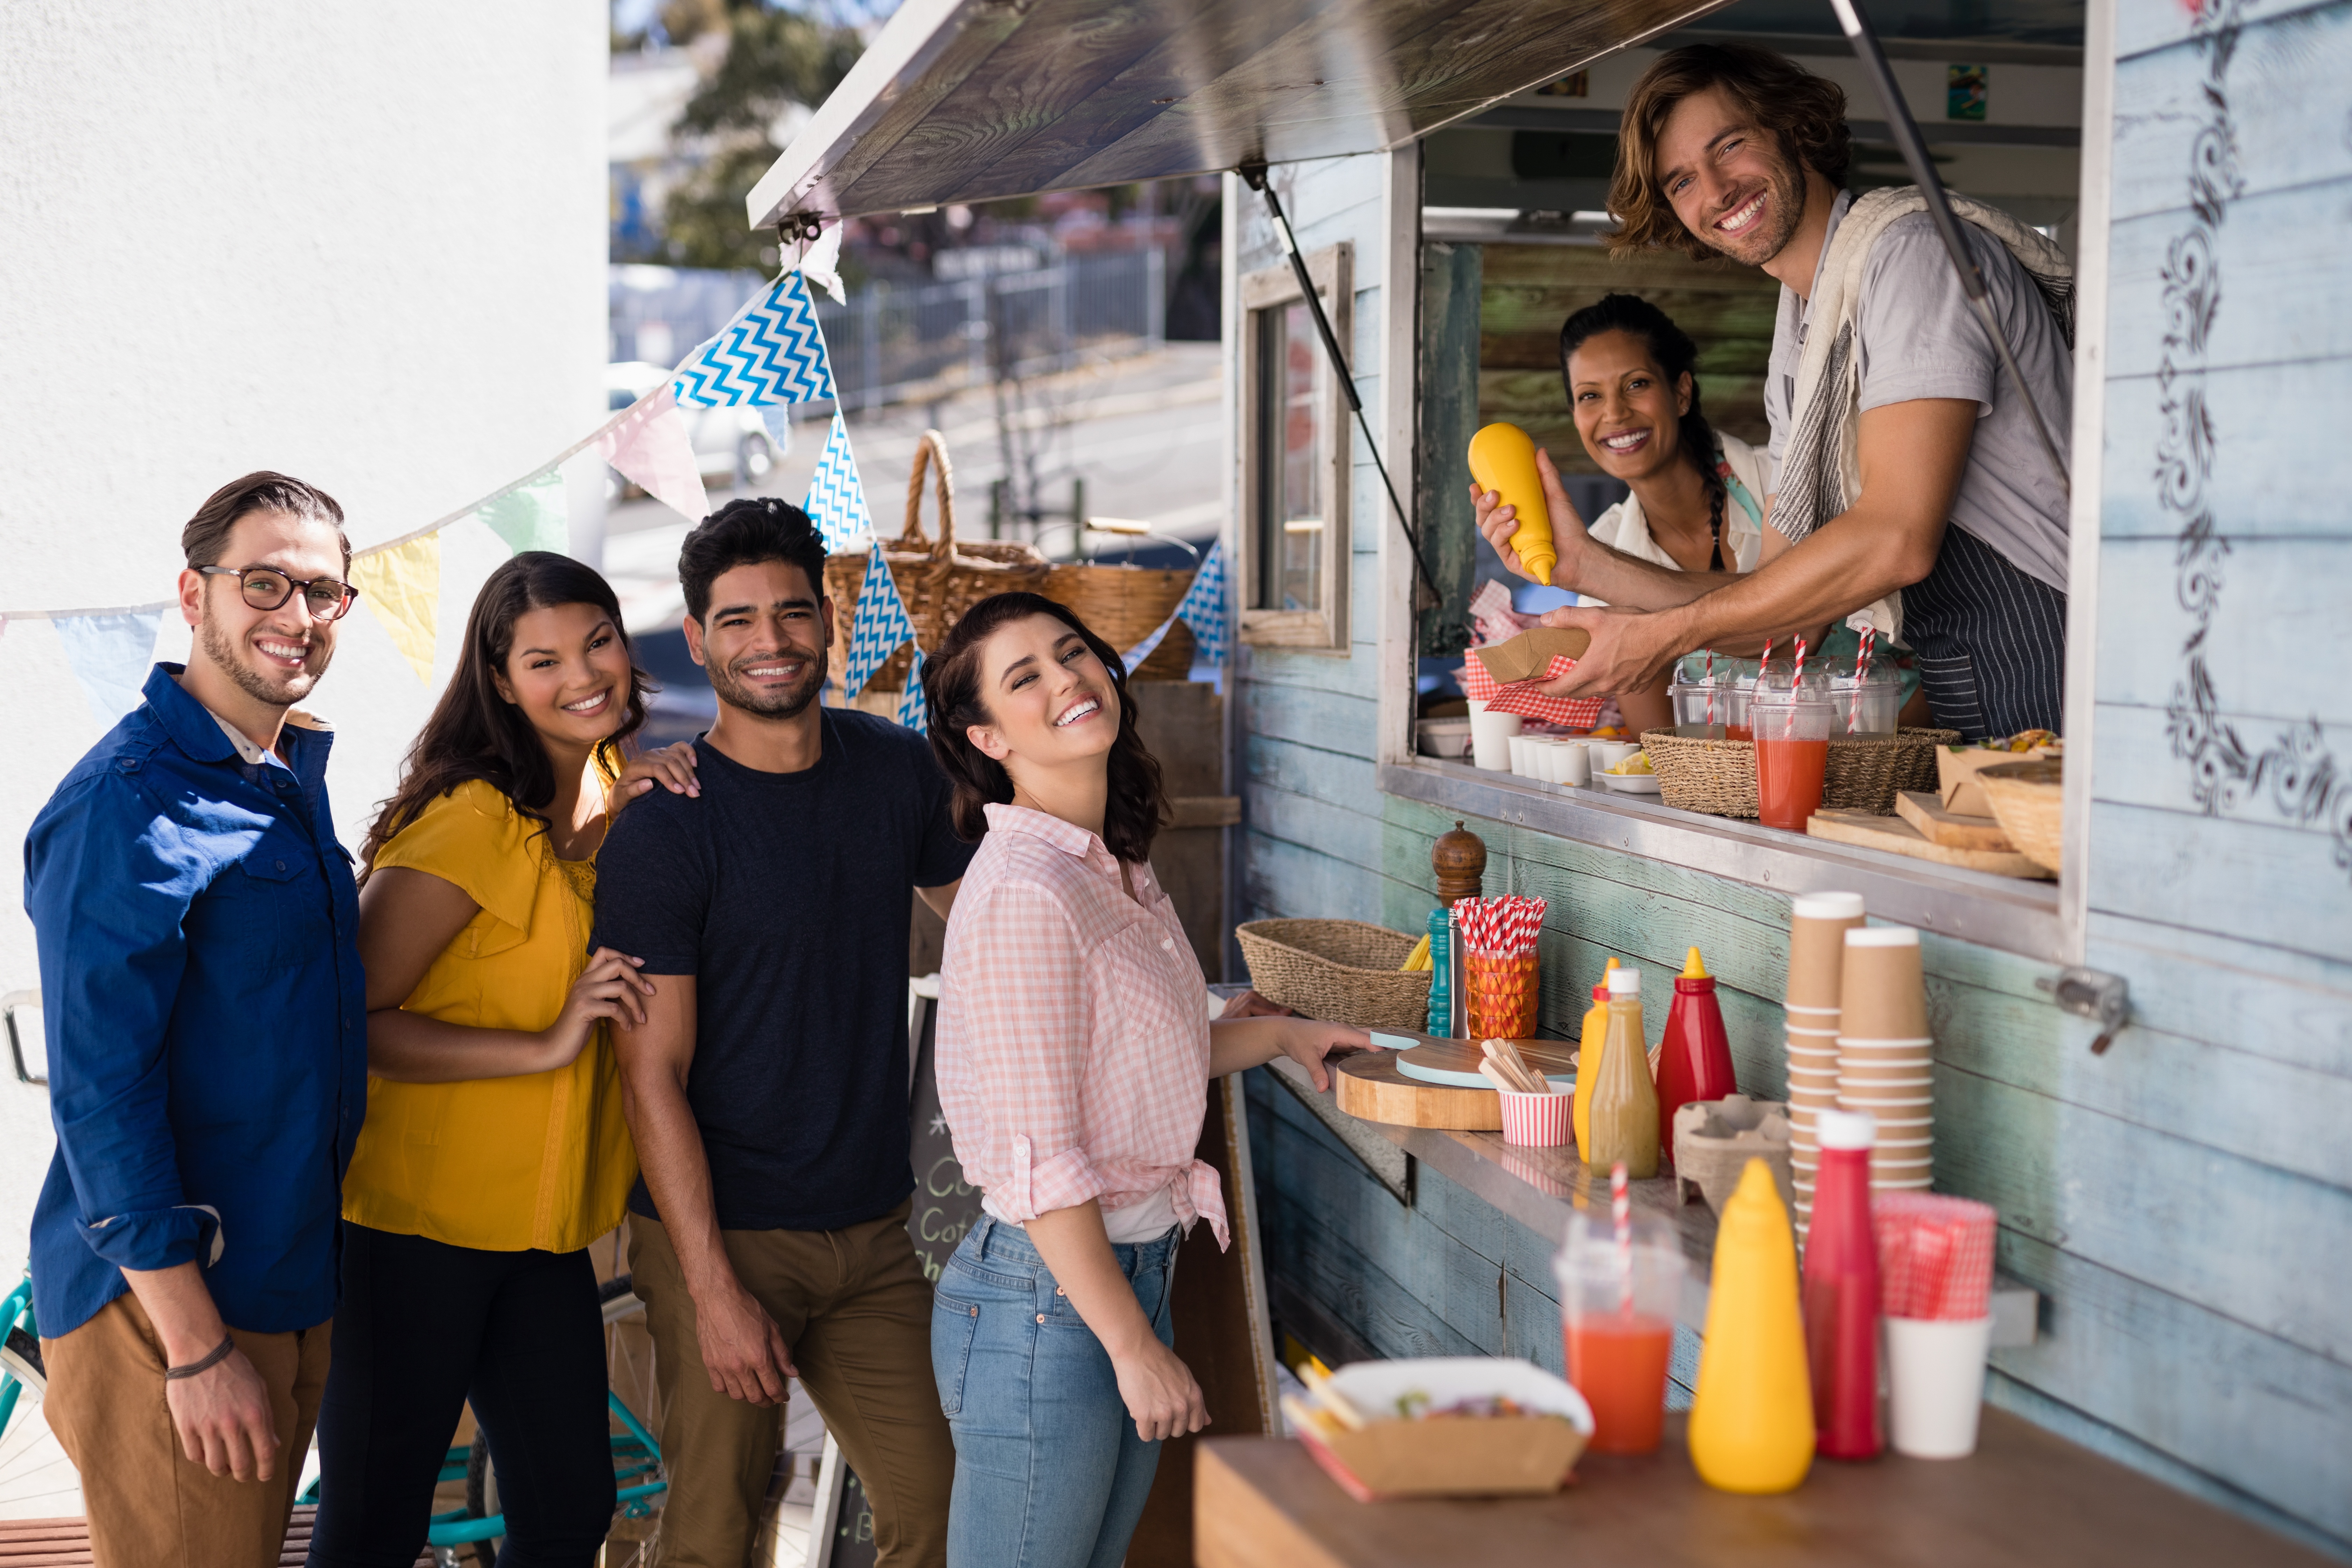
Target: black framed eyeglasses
267, 588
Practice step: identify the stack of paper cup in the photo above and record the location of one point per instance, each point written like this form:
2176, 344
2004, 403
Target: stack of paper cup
1882, 1065
1817, 926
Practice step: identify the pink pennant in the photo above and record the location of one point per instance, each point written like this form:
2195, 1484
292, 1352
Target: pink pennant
650, 445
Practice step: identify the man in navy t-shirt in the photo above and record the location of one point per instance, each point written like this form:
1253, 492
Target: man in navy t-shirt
767, 1087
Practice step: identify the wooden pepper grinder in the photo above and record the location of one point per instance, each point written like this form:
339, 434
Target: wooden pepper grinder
1459, 860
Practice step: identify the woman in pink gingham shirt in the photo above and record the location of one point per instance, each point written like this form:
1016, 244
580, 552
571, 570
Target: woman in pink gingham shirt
1075, 1055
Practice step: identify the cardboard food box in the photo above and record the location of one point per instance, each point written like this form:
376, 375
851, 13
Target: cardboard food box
1394, 1455
1956, 774
1528, 656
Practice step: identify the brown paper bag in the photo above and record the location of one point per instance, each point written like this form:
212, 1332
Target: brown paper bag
1528, 656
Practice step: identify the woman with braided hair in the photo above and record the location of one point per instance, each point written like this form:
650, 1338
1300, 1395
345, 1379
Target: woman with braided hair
1698, 494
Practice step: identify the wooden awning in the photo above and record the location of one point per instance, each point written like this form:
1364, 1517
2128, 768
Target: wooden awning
967, 101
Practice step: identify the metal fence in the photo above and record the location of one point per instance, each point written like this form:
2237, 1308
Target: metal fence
888, 344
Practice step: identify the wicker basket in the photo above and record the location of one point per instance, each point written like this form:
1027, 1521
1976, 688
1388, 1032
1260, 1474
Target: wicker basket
1718, 777
2028, 802
1342, 972
1124, 604
938, 580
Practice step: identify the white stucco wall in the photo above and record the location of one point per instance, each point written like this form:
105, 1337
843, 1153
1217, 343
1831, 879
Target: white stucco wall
362, 244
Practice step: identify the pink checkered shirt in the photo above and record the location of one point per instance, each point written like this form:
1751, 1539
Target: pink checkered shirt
1073, 1032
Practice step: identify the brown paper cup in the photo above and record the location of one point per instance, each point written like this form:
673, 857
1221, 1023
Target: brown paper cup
1854, 1045
1886, 1085
1902, 1170
1817, 927
1881, 995
1799, 1032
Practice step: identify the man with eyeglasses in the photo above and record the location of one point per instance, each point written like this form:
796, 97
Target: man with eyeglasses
206, 1023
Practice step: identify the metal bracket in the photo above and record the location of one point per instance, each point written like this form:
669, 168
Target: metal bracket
800, 225
2090, 994
8, 1006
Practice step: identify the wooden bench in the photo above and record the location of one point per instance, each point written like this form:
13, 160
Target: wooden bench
64, 1543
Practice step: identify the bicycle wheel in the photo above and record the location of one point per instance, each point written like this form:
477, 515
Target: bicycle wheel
482, 1494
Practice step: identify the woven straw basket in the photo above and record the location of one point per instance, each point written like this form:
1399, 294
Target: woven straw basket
1718, 777
1124, 604
1342, 972
938, 580
2028, 802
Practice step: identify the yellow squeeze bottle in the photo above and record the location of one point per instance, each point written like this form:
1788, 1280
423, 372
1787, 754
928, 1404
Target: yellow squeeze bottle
1503, 460
1588, 1060
1751, 1420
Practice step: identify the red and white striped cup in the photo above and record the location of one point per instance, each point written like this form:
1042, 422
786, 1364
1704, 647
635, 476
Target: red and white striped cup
1538, 1120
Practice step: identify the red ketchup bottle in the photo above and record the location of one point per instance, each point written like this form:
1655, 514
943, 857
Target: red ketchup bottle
1841, 1291
1693, 1057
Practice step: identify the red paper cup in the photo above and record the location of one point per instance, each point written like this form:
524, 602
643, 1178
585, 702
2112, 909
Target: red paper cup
1538, 1120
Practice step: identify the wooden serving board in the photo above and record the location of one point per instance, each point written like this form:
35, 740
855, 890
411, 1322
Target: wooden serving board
1897, 837
1550, 1058
1924, 812
1370, 1086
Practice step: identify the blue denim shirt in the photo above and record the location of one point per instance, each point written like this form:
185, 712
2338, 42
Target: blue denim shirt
206, 1018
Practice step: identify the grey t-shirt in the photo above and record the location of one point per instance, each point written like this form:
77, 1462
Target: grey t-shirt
1918, 338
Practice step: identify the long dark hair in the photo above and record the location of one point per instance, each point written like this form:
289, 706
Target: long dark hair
1137, 807
1674, 353
474, 733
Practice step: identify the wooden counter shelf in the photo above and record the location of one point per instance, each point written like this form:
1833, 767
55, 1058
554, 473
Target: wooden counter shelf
2027, 1498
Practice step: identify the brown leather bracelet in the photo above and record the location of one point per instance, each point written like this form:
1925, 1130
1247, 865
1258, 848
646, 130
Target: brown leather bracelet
197, 1368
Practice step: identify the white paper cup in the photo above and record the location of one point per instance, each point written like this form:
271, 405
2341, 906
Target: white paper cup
1490, 739
1575, 764
1518, 746
1934, 1374
1607, 754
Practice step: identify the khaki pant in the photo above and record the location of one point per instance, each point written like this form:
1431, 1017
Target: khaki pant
150, 1505
856, 1310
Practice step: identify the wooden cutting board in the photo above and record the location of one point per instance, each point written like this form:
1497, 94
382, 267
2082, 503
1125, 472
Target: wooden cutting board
1547, 1057
1923, 810
1897, 837
1372, 1086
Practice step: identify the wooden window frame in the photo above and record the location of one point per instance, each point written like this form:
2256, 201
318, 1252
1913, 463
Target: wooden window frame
1323, 629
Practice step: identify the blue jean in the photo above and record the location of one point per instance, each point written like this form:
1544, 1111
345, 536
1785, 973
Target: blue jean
1049, 1470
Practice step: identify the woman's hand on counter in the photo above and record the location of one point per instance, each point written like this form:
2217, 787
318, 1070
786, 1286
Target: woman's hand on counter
1236, 1044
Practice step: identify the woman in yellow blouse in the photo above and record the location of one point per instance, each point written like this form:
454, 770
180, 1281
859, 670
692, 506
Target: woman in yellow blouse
494, 1150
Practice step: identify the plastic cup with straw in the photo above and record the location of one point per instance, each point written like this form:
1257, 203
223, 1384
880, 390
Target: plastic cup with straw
1621, 1281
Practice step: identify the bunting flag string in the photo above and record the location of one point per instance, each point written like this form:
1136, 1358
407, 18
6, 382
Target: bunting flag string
770, 355
881, 625
836, 499
1203, 609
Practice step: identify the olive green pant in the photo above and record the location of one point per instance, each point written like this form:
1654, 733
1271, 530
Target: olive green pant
856, 1308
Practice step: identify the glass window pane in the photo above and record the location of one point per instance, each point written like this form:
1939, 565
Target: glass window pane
1291, 461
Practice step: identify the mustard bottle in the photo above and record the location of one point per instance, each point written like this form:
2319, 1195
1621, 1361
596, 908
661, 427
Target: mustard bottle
1588, 1059
1624, 1117
1752, 1421
1503, 460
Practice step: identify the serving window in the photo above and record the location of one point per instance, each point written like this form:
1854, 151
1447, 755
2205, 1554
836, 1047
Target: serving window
1295, 532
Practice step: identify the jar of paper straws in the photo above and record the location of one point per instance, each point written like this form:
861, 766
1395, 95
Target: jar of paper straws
1499, 939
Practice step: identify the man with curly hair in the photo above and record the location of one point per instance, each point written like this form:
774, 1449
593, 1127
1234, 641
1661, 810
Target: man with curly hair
1903, 461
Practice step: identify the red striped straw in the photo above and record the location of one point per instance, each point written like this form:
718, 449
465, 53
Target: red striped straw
1862, 656
1799, 679
1621, 1211
1764, 664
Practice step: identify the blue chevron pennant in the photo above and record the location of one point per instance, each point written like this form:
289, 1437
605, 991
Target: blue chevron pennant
771, 352
836, 500
1203, 608
914, 710
881, 625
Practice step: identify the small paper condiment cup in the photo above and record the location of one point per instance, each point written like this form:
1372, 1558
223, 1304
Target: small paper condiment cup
1538, 1120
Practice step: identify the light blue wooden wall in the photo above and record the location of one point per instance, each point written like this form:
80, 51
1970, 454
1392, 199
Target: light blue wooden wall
2183, 1201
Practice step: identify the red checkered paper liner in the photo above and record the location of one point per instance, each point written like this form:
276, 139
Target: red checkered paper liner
1935, 1256
1526, 699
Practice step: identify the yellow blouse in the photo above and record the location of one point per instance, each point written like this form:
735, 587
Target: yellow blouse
502, 1164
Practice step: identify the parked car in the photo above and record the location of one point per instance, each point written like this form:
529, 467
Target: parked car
733, 443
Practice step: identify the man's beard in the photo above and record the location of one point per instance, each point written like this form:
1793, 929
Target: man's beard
784, 704
262, 686
1783, 213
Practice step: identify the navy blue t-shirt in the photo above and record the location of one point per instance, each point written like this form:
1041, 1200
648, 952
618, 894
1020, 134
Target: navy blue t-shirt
787, 897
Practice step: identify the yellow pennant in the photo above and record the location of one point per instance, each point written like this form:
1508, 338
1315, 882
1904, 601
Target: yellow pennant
402, 586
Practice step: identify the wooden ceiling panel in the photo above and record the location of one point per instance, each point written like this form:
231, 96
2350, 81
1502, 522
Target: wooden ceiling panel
975, 100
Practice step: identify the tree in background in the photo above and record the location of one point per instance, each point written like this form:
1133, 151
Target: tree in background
777, 59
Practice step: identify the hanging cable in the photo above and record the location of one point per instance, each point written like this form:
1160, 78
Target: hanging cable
1905, 130
1254, 177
